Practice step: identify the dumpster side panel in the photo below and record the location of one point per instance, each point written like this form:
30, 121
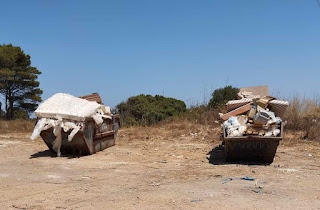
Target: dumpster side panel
76, 146
87, 141
251, 148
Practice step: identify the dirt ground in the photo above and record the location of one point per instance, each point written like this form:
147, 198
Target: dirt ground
156, 168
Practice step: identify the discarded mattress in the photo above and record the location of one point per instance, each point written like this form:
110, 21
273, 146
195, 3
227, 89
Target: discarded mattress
68, 107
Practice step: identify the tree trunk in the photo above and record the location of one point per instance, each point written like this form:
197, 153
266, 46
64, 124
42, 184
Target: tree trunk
7, 107
11, 109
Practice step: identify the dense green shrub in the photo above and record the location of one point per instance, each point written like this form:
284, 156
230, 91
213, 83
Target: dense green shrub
148, 110
223, 95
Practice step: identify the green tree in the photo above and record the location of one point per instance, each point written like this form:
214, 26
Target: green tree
21, 114
223, 95
148, 110
18, 81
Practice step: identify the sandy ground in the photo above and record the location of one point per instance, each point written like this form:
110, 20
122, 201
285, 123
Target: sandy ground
150, 171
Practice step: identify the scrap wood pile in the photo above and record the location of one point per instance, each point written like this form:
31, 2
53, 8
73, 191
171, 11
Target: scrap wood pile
253, 115
64, 112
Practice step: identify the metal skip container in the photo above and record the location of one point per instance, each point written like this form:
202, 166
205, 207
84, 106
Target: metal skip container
78, 126
251, 147
252, 127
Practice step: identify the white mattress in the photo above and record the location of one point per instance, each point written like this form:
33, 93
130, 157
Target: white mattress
67, 106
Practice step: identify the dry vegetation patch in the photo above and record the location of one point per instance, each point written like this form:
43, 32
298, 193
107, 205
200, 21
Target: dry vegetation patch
180, 130
16, 126
303, 118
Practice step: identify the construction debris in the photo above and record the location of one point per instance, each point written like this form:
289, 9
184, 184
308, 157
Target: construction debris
254, 113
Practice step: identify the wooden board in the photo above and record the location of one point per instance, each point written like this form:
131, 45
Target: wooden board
237, 111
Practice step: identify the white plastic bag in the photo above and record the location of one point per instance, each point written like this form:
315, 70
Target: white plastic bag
276, 132
57, 142
97, 119
234, 121
71, 125
38, 128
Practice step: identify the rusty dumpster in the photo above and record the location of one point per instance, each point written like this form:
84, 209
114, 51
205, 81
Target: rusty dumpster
78, 126
89, 140
251, 148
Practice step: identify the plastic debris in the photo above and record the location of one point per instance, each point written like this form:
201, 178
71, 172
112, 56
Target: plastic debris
38, 128
57, 142
257, 191
233, 126
289, 169
247, 178
196, 200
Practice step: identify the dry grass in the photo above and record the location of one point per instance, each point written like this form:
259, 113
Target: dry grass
198, 115
194, 132
303, 117
16, 126
293, 139
172, 131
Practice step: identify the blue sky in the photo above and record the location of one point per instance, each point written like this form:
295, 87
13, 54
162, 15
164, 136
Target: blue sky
182, 49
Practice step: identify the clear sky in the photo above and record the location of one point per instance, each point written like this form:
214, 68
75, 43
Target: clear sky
180, 48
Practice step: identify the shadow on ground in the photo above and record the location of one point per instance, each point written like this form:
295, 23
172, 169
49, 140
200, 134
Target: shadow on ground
48, 153
217, 157
45, 153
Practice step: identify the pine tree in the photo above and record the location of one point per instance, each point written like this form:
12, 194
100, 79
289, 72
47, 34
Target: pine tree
18, 81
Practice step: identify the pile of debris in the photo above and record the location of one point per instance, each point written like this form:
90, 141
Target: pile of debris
64, 112
254, 115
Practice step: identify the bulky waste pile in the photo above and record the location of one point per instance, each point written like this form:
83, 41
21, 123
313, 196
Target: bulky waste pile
68, 113
254, 115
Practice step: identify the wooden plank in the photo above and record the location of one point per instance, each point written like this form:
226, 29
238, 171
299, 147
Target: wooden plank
93, 97
237, 111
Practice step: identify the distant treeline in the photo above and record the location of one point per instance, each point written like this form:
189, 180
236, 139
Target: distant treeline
149, 110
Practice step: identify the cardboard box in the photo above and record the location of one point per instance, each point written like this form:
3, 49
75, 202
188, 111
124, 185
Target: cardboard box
262, 103
256, 90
